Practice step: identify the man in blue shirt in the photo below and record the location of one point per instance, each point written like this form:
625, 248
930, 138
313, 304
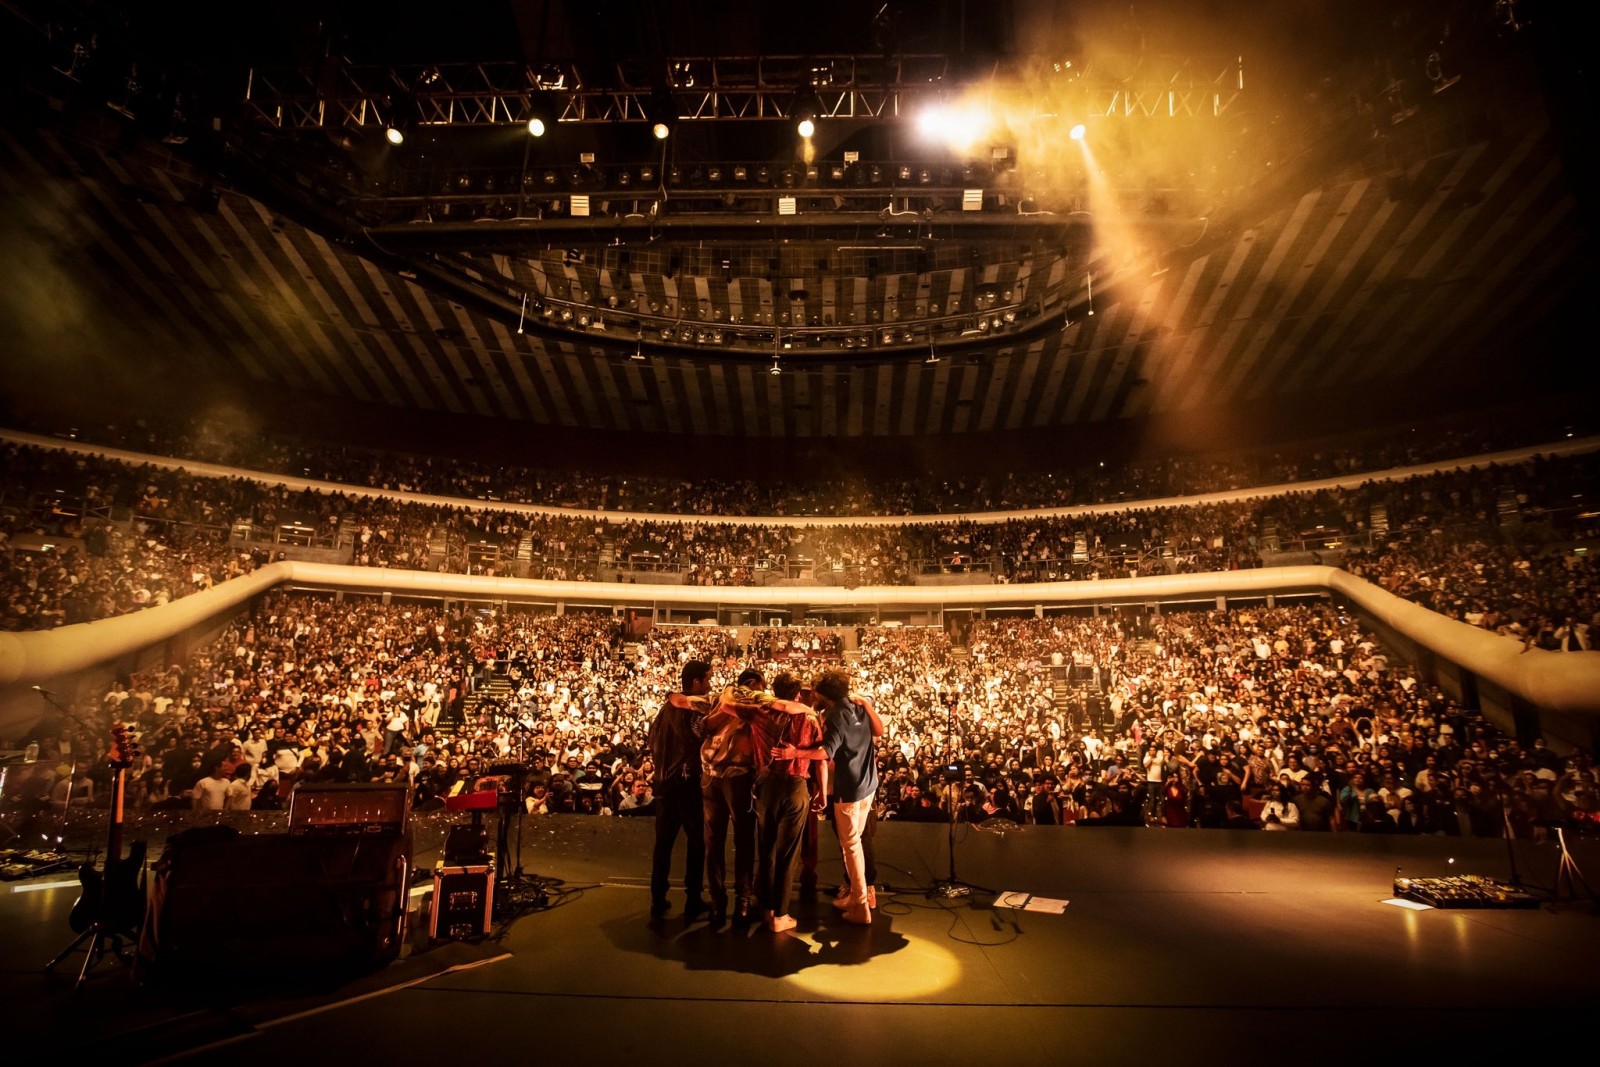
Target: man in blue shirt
850, 740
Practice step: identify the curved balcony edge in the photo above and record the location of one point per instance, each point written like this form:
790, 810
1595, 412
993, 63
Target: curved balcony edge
1560, 682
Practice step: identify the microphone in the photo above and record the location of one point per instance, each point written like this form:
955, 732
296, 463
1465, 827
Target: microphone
42, 689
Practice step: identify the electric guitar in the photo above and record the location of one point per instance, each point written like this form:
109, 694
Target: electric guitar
113, 899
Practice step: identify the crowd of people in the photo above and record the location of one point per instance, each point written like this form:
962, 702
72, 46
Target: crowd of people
128, 536
111, 571
1091, 481
1284, 718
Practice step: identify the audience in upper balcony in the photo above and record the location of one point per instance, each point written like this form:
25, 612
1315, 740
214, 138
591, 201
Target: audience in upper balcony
1491, 546
926, 492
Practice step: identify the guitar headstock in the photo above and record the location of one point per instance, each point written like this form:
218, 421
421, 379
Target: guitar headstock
124, 749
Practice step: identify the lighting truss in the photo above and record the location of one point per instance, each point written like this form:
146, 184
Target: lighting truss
721, 89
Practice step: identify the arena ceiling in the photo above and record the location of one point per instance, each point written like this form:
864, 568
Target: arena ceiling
1334, 229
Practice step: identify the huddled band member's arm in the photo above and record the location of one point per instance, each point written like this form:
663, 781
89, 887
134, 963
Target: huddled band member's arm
814, 753
872, 713
819, 786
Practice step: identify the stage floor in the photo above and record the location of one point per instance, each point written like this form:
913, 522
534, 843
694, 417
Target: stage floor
1202, 945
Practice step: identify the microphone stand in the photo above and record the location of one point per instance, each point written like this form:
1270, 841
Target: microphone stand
49, 698
1511, 845
952, 887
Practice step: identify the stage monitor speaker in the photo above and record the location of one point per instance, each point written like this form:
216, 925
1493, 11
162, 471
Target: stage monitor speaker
466, 846
273, 902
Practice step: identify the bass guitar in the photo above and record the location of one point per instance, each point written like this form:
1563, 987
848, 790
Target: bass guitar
113, 899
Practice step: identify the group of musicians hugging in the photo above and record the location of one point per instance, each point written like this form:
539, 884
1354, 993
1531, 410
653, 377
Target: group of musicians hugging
761, 760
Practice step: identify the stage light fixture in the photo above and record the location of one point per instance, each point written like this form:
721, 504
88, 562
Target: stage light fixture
1077, 132
806, 109
661, 110
958, 125
395, 135
536, 126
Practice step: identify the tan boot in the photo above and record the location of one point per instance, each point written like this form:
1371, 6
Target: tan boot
842, 901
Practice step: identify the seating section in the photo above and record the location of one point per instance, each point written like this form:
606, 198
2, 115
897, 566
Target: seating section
88, 537
1208, 719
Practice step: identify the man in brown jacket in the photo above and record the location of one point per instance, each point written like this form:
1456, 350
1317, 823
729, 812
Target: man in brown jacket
675, 751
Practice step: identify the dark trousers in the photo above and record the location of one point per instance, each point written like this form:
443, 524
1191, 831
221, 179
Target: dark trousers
678, 810
725, 800
781, 806
808, 850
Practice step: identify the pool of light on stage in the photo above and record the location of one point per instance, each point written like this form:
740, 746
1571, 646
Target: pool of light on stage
847, 967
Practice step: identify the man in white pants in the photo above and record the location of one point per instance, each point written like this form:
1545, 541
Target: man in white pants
853, 728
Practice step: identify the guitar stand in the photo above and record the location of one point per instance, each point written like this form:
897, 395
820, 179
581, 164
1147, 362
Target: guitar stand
1569, 879
103, 939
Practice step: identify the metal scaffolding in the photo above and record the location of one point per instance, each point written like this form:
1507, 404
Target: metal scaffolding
700, 89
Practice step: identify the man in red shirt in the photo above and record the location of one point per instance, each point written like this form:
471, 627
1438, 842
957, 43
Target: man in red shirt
728, 767
784, 792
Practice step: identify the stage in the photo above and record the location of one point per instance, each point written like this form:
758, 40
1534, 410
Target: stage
1207, 946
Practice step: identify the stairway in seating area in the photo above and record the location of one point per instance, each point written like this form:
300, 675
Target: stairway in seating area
1378, 523
1060, 687
1509, 508
496, 691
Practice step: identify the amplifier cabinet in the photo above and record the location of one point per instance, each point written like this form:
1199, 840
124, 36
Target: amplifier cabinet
348, 809
219, 899
463, 901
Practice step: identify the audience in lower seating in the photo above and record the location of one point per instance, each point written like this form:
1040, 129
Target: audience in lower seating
1290, 717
